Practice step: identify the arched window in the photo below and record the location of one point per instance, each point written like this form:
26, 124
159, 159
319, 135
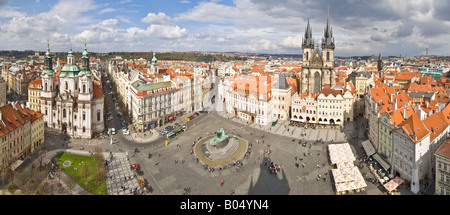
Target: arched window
84, 88
64, 113
307, 55
328, 56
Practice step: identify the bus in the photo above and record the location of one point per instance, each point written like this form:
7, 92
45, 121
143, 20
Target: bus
176, 131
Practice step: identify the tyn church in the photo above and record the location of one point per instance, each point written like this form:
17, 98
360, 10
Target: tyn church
318, 66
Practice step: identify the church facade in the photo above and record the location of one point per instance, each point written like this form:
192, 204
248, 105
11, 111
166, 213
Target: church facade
72, 101
318, 65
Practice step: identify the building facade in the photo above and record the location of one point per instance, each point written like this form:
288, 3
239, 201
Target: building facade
442, 167
34, 95
74, 104
152, 103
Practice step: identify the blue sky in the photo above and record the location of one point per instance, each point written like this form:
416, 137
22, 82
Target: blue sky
363, 27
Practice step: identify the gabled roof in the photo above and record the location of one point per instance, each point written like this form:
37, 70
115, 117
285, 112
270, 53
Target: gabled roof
327, 91
10, 117
414, 128
435, 125
399, 115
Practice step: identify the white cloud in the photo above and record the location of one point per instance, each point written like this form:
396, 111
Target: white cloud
109, 22
107, 10
166, 31
158, 19
8, 12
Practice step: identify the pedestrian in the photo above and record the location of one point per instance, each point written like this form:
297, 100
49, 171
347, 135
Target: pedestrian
175, 161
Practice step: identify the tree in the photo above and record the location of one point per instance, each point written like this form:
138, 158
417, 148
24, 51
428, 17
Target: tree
85, 170
98, 157
70, 183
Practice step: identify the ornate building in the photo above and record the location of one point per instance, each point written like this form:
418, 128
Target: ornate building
73, 103
318, 66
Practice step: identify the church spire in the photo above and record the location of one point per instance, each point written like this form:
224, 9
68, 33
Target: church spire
328, 39
307, 39
48, 69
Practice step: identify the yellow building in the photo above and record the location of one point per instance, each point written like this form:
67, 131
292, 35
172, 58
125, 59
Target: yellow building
360, 80
37, 128
34, 95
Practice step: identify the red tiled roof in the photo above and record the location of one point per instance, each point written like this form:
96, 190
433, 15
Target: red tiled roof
414, 128
444, 149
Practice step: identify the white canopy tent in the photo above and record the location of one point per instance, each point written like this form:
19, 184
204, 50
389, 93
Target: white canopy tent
347, 176
340, 153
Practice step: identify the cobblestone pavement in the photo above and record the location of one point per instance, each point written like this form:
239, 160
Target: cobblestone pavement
121, 180
172, 168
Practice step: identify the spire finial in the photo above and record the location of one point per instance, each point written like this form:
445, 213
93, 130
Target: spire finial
308, 14
48, 43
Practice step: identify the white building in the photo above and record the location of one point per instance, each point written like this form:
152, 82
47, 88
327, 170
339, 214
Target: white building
411, 142
152, 103
281, 98
74, 104
248, 97
304, 108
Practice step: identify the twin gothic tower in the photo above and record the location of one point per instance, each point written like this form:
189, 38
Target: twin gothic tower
318, 66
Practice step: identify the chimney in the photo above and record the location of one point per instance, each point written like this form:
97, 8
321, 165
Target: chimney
404, 113
395, 104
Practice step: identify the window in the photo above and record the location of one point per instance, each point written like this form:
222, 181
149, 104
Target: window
84, 116
98, 115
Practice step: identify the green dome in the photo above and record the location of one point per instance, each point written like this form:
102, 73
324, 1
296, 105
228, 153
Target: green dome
69, 70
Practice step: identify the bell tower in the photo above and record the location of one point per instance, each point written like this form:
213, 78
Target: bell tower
308, 46
328, 45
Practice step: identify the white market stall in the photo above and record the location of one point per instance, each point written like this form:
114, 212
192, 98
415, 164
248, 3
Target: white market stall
347, 176
340, 153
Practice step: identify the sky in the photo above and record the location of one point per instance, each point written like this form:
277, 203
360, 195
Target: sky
360, 27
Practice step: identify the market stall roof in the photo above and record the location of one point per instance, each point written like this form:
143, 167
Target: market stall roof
340, 153
393, 184
380, 160
368, 147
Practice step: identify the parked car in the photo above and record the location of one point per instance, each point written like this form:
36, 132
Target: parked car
126, 131
169, 128
111, 131
196, 113
187, 119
